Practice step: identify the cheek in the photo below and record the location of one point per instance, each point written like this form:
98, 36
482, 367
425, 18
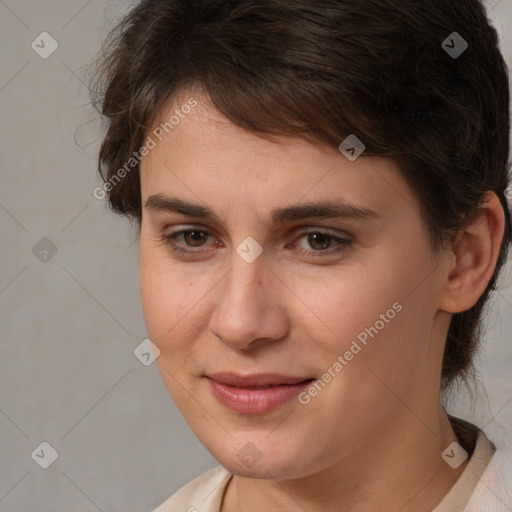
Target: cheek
176, 304
164, 294
350, 301
377, 315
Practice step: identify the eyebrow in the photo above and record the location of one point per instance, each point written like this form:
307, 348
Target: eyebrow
318, 210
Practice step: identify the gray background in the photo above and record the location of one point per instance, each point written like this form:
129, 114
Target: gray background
69, 326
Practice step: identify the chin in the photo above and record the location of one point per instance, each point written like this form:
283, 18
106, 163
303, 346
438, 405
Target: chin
250, 463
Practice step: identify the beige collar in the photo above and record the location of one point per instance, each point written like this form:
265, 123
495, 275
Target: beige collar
460, 494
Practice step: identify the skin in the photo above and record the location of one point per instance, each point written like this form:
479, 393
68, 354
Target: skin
372, 438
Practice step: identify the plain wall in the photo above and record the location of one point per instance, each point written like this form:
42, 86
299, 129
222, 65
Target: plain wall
69, 326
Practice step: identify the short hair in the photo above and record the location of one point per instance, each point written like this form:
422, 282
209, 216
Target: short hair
379, 69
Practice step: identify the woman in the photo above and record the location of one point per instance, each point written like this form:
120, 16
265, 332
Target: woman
320, 193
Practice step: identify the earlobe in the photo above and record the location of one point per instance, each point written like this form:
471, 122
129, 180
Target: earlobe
475, 251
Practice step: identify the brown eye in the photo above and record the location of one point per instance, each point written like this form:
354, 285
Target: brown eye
319, 241
319, 244
188, 241
195, 238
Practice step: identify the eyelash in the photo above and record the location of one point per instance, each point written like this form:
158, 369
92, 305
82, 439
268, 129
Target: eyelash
169, 240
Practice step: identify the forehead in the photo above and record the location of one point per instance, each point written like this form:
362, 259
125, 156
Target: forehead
199, 152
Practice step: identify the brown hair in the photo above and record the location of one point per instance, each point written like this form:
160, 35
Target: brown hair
321, 71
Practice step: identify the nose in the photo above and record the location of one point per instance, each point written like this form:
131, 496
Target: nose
249, 308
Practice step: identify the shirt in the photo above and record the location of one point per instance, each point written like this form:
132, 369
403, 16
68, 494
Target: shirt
484, 486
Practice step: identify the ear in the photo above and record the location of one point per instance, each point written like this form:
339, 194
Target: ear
474, 253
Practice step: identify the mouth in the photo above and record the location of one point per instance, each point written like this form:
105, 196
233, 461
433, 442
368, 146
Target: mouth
257, 393
257, 381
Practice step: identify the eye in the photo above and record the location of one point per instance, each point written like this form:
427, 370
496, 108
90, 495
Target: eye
187, 241
319, 241
322, 244
193, 238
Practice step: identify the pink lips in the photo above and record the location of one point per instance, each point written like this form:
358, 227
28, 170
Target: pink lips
255, 394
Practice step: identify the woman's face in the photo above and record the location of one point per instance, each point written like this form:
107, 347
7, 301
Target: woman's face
274, 273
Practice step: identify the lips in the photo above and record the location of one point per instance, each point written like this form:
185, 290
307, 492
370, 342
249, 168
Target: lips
255, 394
